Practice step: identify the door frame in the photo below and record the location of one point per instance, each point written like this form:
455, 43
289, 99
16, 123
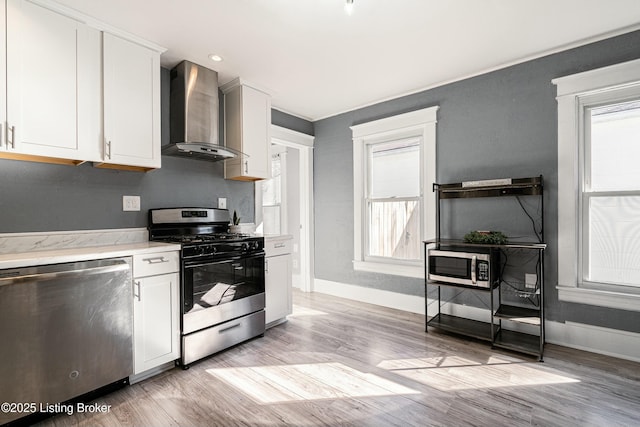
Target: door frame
304, 144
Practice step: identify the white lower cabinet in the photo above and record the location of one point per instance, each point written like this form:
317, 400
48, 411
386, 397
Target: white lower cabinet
278, 270
156, 328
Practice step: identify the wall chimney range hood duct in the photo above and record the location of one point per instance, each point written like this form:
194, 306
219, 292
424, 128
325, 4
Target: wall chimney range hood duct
194, 115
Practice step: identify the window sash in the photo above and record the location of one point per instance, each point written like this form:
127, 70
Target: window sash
412, 145
587, 241
368, 204
369, 200
617, 242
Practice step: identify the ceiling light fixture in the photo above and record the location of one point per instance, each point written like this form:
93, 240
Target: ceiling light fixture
215, 58
348, 7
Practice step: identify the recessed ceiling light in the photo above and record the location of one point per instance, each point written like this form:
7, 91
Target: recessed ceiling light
216, 58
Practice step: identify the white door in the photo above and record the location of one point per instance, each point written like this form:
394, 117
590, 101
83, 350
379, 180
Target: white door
277, 287
131, 103
256, 113
52, 65
156, 332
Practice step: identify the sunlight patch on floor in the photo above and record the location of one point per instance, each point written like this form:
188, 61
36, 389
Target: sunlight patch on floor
299, 311
289, 383
450, 373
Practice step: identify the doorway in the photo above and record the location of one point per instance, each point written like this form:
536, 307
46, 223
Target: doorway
284, 203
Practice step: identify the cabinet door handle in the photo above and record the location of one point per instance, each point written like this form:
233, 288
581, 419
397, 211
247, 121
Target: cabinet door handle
136, 284
155, 260
266, 265
279, 245
107, 149
246, 166
13, 137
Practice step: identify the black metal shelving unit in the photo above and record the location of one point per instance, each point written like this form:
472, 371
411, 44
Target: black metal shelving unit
528, 338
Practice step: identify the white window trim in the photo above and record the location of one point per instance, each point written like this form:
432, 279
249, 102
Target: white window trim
572, 91
420, 123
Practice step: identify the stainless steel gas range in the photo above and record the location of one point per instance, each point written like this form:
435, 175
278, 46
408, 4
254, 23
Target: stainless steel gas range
222, 283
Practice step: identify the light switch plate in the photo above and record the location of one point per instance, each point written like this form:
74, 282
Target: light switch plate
130, 203
222, 203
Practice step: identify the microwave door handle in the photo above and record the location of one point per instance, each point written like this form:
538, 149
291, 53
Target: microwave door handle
473, 269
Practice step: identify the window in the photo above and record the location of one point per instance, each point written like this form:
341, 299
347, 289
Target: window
394, 168
272, 198
599, 187
611, 195
393, 198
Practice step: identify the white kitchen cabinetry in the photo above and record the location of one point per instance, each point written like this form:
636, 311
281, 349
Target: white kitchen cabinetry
52, 85
3, 74
76, 89
247, 118
131, 105
278, 271
156, 321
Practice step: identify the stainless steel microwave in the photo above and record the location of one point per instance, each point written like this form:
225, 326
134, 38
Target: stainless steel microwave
464, 268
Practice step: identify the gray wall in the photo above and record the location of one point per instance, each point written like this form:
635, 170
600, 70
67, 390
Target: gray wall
291, 122
499, 124
44, 197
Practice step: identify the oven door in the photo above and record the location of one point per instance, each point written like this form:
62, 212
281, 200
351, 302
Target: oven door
216, 291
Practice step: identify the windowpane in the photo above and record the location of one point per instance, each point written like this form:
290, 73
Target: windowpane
615, 147
271, 219
271, 188
394, 229
395, 169
614, 240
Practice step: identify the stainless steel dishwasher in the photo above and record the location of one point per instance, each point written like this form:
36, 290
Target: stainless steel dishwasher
65, 330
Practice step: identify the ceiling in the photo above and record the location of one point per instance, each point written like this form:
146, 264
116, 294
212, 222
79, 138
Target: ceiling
316, 61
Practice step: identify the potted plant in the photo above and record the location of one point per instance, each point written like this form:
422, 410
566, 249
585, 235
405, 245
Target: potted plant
235, 223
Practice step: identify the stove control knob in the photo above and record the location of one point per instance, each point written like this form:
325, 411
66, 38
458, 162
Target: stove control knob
214, 249
244, 247
255, 245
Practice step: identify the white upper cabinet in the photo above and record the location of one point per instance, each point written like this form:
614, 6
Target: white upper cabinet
76, 89
3, 75
53, 85
131, 104
247, 114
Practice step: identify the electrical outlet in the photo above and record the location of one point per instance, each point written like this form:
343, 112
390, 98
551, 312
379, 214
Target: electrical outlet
130, 203
222, 203
530, 280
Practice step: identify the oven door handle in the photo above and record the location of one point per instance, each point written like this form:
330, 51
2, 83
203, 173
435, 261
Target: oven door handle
237, 266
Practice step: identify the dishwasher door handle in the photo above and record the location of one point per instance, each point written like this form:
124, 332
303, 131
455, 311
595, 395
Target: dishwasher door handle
66, 274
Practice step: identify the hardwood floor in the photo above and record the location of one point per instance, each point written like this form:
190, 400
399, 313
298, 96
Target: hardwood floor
341, 363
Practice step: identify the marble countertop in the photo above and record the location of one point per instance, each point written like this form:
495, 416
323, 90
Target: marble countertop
57, 256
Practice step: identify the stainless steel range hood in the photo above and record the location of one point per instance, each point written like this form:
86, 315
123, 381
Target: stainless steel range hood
194, 114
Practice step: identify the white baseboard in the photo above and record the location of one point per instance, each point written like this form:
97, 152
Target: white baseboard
410, 303
596, 339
